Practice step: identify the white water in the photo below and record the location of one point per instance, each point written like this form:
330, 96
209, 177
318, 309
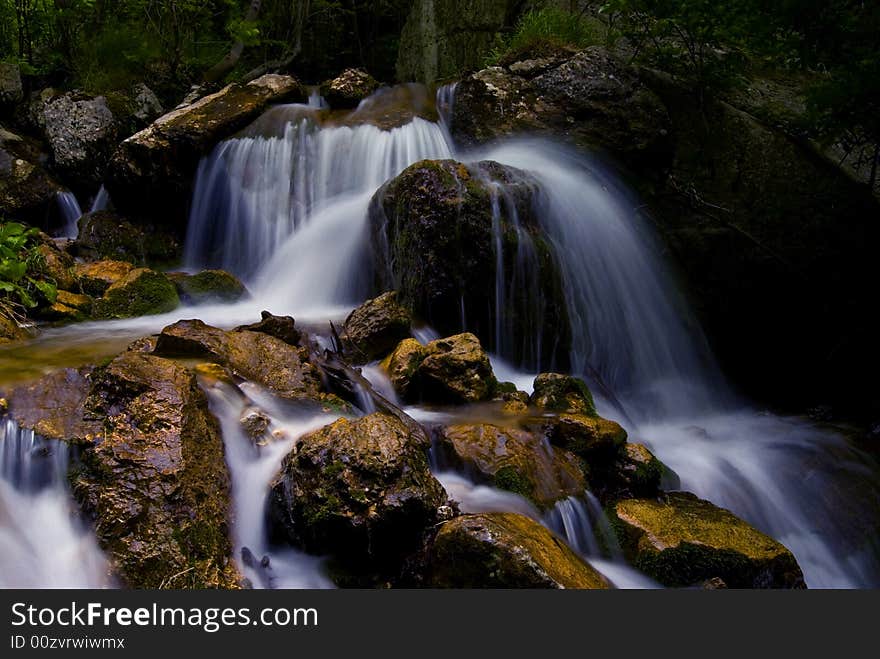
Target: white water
70, 211
287, 210
42, 543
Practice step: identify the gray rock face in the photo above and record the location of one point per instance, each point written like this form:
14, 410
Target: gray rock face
146, 106
81, 133
27, 191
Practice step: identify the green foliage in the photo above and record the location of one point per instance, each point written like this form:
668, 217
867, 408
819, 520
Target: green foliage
20, 266
548, 28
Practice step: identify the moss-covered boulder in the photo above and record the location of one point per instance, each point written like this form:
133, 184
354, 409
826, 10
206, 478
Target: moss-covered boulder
254, 356
141, 292
208, 286
10, 330
515, 460
357, 490
349, 88
591, 437
562, 393
55, 264
151, 172
156, 481
376, 327
435, 232
402, 365
682, 540
639, 472
106, 235
456, 370
95, 278
505, 550
68, 307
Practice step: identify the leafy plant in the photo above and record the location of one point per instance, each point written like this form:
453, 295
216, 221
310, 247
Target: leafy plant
20, 265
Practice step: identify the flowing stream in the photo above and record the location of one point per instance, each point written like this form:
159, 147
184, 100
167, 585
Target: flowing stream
284, 206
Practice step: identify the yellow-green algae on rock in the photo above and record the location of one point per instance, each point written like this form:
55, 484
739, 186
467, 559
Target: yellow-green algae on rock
681, 540
506, 550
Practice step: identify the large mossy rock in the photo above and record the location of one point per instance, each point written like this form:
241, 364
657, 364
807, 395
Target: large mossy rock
141, 292
253, 355
106, 235
515, 460
152, 171
590, 99
505, 550
95, 278
682, 540
150, 470
208, 286
360, 491
81, 132
156, 482
456, 370
555, 392
376, 327
443, 38
435, 229
27, 190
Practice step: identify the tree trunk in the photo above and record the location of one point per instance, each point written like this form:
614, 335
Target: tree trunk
225, 65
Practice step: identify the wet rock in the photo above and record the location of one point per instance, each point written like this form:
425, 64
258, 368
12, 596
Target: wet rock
106, 235
56, 265
145, 105
157, 480
639, 472
27, 191
562, 393
152, 171
10, 330
517, 461
141, 292
435, 231
505, 550
590, 98
358, 490
682, 540
281, 327
255, 422
81, 132
11, 92
591, 437
254, 356
209, 286
95, 278
402, 367
53, 406
349, 88
376, 327
68, 307
145, 344
456, 370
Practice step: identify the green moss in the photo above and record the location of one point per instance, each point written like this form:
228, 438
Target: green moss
211, 285
508, 478
140, 293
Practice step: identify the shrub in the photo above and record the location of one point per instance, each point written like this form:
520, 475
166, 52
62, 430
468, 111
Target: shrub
20, 265
548, 28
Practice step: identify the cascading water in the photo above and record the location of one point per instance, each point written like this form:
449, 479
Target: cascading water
70, 211
42, 543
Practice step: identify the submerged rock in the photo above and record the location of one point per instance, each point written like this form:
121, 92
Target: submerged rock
376, 327
456, 370
157, 481
106, 235
95, 278
254, 356
435, 231
682, 540
208, 286
152, 171
505, 550
517, 461
141, 292
349, 88
358, 490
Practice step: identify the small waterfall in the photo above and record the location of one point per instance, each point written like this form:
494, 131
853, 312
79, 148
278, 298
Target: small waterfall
70, 213
252, 467
42, 542
584, 525
101, 202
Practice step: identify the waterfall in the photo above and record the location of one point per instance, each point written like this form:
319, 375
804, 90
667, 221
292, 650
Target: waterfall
70, 211
101, 202
42, 543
